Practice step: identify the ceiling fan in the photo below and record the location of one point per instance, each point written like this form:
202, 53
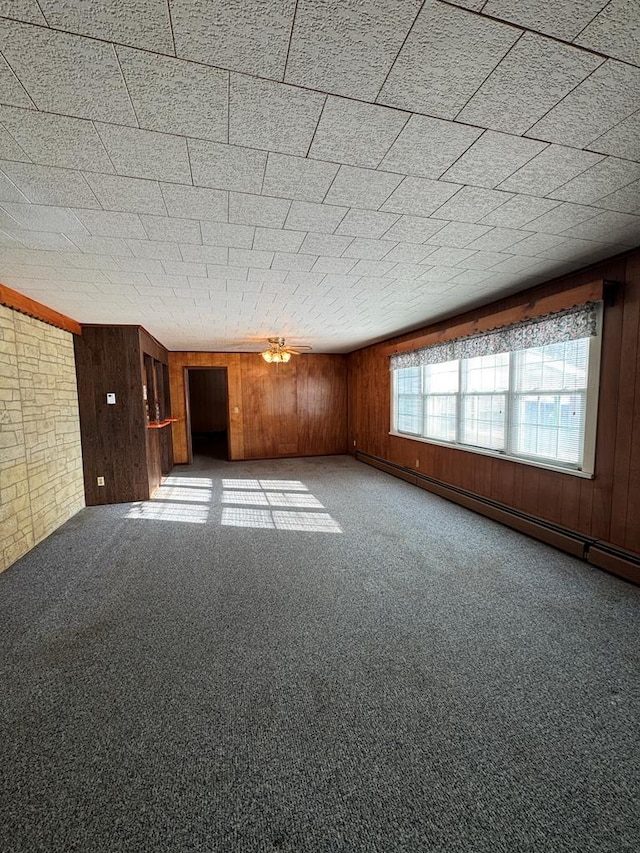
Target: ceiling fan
279, 352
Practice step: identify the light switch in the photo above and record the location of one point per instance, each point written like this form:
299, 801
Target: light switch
111, 399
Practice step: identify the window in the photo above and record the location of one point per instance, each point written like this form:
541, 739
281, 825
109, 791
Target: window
536, 405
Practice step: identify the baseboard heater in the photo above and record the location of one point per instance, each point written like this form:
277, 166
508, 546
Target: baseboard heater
594, 551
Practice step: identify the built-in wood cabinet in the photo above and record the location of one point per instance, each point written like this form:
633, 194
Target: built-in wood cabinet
125, 413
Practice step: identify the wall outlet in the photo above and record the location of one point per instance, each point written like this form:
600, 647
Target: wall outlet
111, 399
417, 463
354, 442
101, 481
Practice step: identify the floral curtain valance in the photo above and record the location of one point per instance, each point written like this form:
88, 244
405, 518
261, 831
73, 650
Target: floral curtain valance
568, 325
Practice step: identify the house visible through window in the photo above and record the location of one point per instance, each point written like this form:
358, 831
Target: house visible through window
536, 404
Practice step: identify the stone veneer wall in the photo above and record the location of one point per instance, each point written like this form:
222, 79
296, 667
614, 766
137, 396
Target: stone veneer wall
41, 482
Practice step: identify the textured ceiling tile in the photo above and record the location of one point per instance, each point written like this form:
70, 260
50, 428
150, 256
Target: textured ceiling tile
22, 10
227, 167
414, 229
44, 218
8, 190
223, 234
409, 253
67, 74
609, 95
272, 116
373, 268
619, 228
334, 266
531, 79
492, 158
347, 46
428, 146
132, 195
195, 202
9, 148
563, 20
462, 49
146, 154
48, 240
278, 240
249, 37
355, 133
101, 245
175, 96
626, 200
474, 5
498, 239
537, 244
210, 255
623, 140
183, 268
168, 228
615, 31
56, 140
11, 89
250, 258
518, 211
103, 223
247, 209
366, 223
458, 234
362, 187
141, 23
483, 260
49, 185
419, 196
373, 250
306, 216
154, 249
449, 257
330, 245
294, 263
471, 204
514, 263
562, 217
297, 178
598, 181
552, 168
140, 265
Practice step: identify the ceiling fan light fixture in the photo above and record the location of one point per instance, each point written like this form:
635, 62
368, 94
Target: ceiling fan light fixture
268, 355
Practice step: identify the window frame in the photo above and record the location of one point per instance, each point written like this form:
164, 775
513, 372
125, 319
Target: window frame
586, 470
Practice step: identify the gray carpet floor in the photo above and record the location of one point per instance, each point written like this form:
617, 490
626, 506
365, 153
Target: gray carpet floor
310, 655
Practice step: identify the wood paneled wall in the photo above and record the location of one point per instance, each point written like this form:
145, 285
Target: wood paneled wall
294, 409
116, 443
604, 508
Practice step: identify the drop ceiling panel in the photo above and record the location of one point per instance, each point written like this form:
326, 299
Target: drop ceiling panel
407, 159
250, 37
347, 48
67, 74
272, 116
175, 96
141, 23
377, 130
535, 74
462, 50
610, 95
563, 20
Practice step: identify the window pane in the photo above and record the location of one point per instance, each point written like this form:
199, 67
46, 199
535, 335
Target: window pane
441, 378
409, 414
486, 373
408, 380
550, 426
440, 417
557, 367
483, 420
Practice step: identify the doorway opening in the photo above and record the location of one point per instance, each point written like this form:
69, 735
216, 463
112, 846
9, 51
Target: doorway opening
207, 412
